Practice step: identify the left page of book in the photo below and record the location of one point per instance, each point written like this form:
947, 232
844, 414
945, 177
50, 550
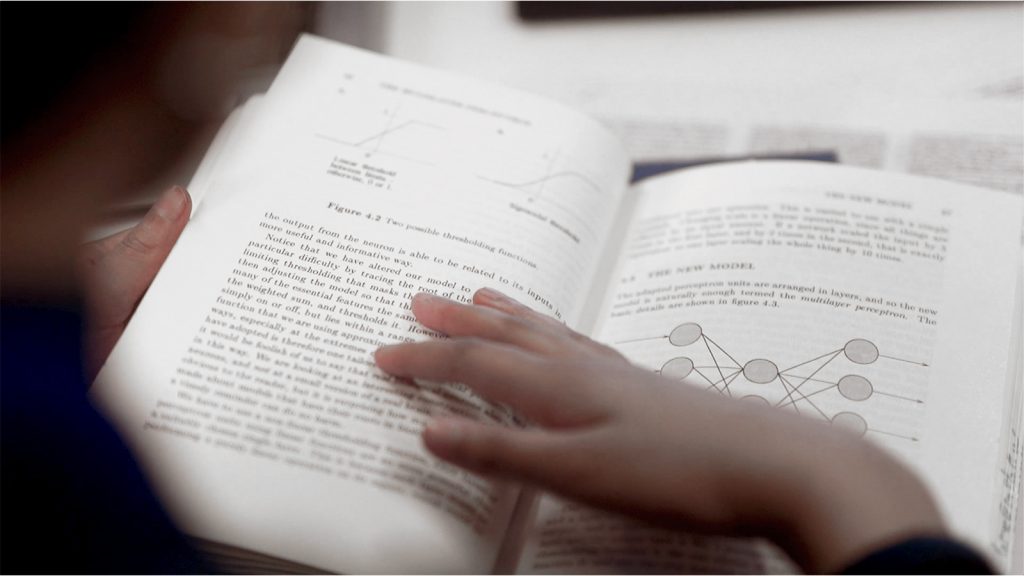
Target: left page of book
245, 381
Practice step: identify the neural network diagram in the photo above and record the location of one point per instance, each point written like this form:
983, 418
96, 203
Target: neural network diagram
798, 387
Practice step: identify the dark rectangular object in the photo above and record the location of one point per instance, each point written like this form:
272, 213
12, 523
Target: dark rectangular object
539, 11
643, 170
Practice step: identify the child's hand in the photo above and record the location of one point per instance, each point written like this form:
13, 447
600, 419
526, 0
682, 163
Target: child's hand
624, 438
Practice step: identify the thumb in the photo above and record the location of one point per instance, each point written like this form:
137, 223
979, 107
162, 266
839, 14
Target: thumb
134, 256
149, 241
119, 269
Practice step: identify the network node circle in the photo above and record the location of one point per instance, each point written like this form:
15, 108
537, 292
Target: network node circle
861, 351
677, 368
760, 371
855, 387
755, 399
851, 422
685, 334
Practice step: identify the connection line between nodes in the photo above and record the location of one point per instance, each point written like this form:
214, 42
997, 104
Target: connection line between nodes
728, 379
812, 379
712, 383
809, 361
708, 339
715, 360
803, 397
709, 381
891, 395
902, 360
797, 389
876, 431
734, 376
763, 371
642, 339
787, 386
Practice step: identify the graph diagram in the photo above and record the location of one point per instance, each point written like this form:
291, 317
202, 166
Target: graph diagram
494, 153
549, 178
535, 187
374, 122
400, 139
799, 387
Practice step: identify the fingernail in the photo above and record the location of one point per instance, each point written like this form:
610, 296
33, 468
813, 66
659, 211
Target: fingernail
443, 432
382, 350
171, 203
427, 298
494, 295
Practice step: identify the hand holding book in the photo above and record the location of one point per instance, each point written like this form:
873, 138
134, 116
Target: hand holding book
117, 270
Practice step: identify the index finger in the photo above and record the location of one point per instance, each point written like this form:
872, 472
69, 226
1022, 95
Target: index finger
457, 319
546, 392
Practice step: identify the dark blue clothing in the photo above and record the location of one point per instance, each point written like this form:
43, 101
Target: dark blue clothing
922, 556
73, 498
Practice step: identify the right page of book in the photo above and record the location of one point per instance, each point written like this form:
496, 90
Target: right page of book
879, 303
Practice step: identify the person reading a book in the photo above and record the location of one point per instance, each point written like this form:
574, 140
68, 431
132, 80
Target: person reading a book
605, 432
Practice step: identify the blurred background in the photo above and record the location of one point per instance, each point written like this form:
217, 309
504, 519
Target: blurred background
926, 88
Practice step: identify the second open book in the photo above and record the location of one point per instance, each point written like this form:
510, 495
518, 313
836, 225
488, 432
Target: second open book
881, 303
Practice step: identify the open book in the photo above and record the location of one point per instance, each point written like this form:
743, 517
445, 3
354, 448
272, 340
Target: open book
884, 304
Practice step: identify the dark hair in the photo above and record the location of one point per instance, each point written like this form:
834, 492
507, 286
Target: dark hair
46, 47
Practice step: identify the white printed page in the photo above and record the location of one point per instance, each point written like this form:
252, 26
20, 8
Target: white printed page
507, 162
879, 303
571, 538
245, 381
1007, 539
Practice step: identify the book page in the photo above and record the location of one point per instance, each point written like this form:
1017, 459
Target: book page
879, 303
1007, 540
245, 382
